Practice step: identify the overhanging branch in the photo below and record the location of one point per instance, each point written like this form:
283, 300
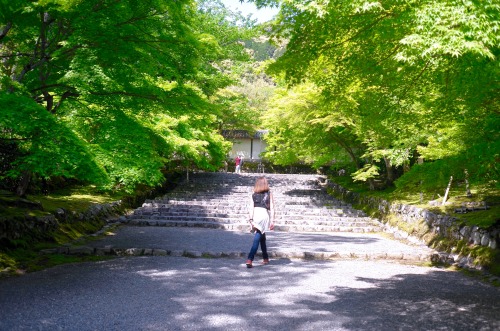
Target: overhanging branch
4, 30
128, 94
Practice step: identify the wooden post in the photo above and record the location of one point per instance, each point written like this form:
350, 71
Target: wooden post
447, 191
421, 192
467, 188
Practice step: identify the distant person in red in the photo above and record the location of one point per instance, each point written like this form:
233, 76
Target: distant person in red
237, 162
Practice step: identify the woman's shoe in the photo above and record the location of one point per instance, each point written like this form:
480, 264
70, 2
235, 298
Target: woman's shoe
265, 261
249, 263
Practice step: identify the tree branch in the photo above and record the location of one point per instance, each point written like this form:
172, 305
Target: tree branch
346, 148
64, 96
50, 86
15, 139
4, 30
366, 28
128, 94
139, 18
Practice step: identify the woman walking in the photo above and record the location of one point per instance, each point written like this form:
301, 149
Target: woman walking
261, 217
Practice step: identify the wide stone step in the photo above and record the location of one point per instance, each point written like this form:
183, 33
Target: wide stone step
301, 214
234, 198
197, 205
244, 227
326, 228
312, 216
242, 208
338, 221
226, 224
212, 224
236, 218
212, 218
287, 203
244, 215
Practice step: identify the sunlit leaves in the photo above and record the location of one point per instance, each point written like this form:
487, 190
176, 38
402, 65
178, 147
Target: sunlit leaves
404, 77
48, 146
298, 132
369, 171
128, 84
452, 28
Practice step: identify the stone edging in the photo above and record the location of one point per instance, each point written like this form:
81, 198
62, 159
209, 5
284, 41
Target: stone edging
320, 256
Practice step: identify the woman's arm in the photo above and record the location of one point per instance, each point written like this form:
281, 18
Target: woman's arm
250, 214
272, 210
250, 209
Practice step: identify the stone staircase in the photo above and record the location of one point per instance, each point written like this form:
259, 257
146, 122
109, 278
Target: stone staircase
220, 200
309, 224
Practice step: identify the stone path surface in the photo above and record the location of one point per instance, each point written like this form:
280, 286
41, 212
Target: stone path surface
331, 269
180, 293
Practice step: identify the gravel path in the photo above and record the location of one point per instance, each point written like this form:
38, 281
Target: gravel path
178, 293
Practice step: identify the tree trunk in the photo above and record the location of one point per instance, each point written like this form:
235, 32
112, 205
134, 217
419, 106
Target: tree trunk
24, 184
389, 171
371, 183
347, 148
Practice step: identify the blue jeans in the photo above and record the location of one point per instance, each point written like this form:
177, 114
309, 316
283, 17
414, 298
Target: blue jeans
259, 238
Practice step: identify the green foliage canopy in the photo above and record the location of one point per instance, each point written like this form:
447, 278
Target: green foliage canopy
112, 92
406, 78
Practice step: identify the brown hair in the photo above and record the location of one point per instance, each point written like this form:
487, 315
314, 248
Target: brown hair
261, 185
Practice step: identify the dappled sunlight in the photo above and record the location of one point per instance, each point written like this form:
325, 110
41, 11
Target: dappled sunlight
223, 320
262, 293
230, 294
77, 198
156, 274
401, 300
174, 293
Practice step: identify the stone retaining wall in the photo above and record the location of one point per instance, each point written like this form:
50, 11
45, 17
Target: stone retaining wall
37, 227
444, 226
33, 228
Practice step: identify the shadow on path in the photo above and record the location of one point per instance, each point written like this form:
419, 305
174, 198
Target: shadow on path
172, 293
